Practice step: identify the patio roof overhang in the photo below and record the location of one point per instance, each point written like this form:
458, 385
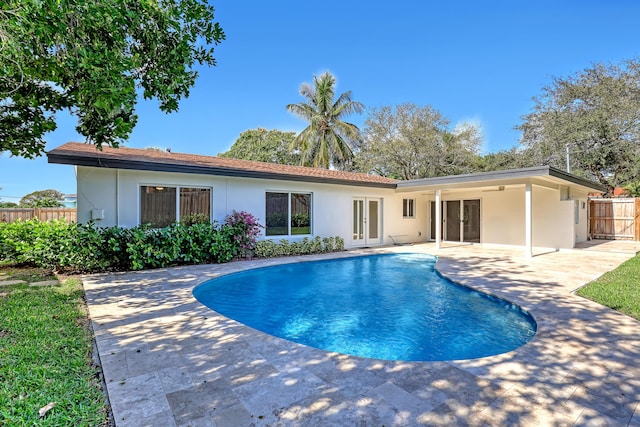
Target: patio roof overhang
526, 178
543, 176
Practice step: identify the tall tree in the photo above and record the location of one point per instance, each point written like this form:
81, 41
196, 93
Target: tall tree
597, 113
409, 141
264, 145
42, 199
89, 57
511, 158
328, 140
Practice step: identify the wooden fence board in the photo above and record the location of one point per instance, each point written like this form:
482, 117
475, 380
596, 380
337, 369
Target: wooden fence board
14, 214
43, 214
637, 220
51, 214
617, 219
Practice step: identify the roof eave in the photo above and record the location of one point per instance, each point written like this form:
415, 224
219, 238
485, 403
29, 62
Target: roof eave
91, 161
591, 185
523, 173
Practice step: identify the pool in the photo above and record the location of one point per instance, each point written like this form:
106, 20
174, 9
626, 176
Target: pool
391, 307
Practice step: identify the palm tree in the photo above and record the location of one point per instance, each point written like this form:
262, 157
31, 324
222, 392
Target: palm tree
327, 140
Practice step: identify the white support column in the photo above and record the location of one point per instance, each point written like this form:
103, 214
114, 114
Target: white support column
438, 219
528, 222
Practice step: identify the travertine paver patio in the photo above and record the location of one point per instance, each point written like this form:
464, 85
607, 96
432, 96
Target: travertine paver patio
169, 361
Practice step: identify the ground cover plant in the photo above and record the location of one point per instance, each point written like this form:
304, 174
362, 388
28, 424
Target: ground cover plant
618, 289
45, 354
306, 246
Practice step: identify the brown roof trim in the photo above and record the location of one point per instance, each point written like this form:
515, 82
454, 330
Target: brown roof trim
80, 154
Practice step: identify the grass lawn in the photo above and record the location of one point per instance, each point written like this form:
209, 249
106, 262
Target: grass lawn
45, 354
618, 289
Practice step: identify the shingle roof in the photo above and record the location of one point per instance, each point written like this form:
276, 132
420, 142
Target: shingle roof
81, 154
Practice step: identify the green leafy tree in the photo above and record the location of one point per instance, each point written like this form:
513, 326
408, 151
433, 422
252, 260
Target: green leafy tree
328, 140
410, 142
264, 145
8, 205
90, 57
42, 199
633, 188
596, 112
512, 158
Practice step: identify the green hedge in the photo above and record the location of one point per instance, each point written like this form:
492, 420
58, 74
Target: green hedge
269, 248
60, 246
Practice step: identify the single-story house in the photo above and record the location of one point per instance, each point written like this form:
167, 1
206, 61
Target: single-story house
540, 207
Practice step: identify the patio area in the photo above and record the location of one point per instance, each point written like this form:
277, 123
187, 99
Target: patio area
170, 361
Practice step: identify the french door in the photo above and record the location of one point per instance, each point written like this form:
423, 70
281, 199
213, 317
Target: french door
460, 220
367, 221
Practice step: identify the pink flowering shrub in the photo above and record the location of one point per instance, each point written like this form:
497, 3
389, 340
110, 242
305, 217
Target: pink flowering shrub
244, 228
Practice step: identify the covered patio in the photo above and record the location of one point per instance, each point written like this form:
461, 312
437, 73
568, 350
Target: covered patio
540, 207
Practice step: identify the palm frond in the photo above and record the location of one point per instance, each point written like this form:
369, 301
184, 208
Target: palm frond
324, 91
327, 139
308, 92
339, 146
302, 110
344, 106
350, 132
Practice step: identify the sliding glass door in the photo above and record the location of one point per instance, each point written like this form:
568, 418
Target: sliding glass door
460, 220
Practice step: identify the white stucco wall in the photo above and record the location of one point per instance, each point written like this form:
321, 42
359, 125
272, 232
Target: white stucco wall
553, 220
502, 213
96, 190
117, 193
582, 228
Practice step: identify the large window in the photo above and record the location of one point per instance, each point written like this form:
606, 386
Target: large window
288, 214
160, 205
408, 208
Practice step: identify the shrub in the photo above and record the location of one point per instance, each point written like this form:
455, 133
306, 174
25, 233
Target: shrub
329, 244
269, 248
56, 245
265, 249
244, 229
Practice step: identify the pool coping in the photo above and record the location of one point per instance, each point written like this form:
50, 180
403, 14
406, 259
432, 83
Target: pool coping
168, 360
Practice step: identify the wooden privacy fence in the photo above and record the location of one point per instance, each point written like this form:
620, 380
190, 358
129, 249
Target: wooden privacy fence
43, 214
614, 219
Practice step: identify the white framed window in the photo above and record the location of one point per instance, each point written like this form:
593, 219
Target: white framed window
162, 205
408, 208
288, 213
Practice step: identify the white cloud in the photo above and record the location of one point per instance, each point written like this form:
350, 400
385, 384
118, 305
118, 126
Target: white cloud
477, 122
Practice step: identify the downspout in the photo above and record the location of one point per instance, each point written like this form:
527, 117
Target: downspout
226, 196
117, 197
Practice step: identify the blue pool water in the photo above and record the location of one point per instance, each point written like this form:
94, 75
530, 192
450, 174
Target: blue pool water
393, 307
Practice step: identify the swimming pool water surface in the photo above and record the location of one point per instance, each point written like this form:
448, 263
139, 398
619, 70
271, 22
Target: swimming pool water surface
392, 307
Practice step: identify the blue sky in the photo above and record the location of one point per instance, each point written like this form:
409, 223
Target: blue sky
471, 60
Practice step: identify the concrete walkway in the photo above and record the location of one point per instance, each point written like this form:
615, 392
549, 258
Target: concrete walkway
169, 361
